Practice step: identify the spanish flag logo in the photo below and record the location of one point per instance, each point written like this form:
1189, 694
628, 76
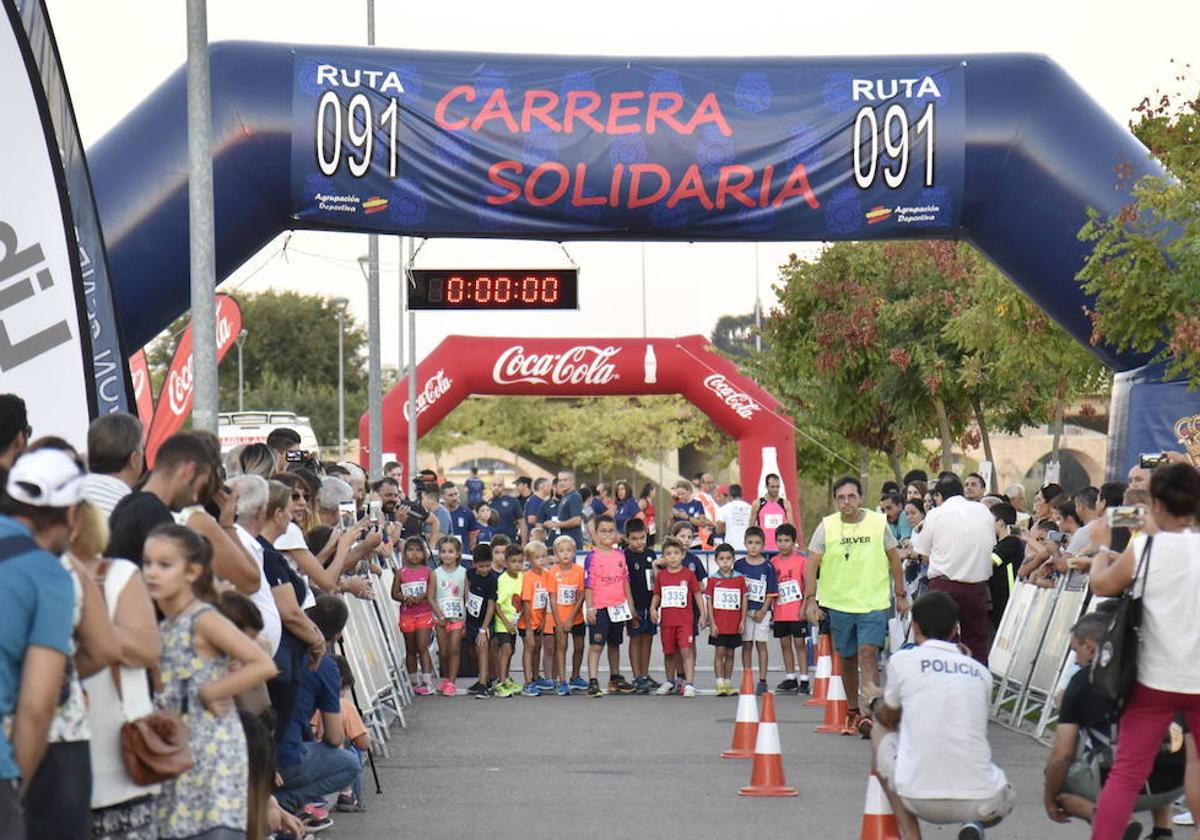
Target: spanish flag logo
374, 204
874, 215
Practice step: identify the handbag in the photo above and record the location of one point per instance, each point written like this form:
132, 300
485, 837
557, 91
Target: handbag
1113, 670
154, 747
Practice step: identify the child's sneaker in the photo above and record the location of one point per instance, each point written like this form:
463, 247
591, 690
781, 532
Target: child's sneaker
618, 685
790, 685
502, 690
544, 684
563, 690
804, 686
761, 688
348, 803
664, 689
578, 684
315, 825
531, 689
479, 690
474, 687
448, 688
652, 683
689, 690
422, 689
594, 689
641, 685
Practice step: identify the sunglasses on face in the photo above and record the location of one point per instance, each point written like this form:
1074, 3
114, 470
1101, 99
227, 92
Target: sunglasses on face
298, 496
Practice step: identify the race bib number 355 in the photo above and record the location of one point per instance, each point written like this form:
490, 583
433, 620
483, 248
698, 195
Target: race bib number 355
452, 608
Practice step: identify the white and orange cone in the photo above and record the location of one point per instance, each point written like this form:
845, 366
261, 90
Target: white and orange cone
824, 671
836, 705
745, 724
766, 775
879, 821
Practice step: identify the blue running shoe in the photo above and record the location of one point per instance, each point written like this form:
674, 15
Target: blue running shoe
578, 684
544, 684
532, 690
563, 689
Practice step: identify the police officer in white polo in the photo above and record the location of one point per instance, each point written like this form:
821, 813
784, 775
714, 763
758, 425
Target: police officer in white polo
931, 731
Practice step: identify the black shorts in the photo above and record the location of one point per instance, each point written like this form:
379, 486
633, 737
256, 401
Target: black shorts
471, 632
790, 629
578, 630
612, 632
726, 640
503, 639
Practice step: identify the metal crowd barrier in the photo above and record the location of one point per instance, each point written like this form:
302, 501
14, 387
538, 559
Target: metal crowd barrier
1031, 651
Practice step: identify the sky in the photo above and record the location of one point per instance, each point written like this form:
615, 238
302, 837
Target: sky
117, 51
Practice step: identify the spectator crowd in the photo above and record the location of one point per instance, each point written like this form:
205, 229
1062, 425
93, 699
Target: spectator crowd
169, 636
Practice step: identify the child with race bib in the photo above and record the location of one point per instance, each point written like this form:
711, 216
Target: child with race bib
508, 600
676, 592
608, 604
566, 601
535, 603
762, 587
788, 625
725, 595
448, 600
410, 587
481, 608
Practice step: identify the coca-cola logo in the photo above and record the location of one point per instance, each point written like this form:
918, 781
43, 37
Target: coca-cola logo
178, 386
583, 364
743, 404
435, 387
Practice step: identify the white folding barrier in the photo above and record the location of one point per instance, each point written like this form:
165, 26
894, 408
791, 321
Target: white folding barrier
1029, 654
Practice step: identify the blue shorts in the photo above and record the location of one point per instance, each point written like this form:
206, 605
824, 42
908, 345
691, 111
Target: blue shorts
853, 630
645, 626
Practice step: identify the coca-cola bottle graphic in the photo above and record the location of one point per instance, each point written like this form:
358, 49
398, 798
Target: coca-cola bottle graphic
770, 466
651, 365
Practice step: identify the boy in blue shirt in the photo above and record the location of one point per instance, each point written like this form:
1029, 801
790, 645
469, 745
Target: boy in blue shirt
762, 587
688, 510
474, 486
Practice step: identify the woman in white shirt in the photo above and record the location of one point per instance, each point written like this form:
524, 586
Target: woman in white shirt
120, 807
1168, 679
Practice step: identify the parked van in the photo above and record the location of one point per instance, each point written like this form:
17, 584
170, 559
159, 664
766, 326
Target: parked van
236, 428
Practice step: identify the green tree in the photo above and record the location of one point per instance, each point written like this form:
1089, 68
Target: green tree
290, 360
733, 335
1144, 270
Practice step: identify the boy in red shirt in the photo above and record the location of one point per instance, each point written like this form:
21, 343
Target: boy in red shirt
789, 627
725, 595
676, 589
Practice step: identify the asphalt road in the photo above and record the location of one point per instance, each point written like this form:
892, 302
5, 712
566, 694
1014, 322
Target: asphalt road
616, 767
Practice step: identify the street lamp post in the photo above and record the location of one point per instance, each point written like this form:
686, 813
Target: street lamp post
340, 304
241, 339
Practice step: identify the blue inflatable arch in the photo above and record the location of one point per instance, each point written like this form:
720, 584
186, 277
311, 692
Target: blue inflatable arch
1005, 151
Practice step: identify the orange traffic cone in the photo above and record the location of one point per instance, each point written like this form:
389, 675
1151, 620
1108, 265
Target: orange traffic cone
745, 725
824, 671
836, 706
766, 774
879, 821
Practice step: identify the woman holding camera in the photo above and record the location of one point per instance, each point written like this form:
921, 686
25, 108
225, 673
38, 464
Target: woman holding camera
1168, 678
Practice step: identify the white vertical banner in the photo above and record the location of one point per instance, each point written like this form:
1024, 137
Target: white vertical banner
45, 355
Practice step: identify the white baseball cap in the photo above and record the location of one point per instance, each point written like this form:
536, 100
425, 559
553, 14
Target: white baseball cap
46, 478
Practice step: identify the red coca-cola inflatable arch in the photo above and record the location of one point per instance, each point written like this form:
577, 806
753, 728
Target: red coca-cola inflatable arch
461, 366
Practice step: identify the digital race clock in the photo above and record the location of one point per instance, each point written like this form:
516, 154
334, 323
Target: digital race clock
493, 288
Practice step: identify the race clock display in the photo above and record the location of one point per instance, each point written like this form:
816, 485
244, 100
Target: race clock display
493, 288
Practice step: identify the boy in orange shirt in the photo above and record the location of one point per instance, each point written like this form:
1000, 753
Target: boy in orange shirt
535, 600
566, 595
789, 626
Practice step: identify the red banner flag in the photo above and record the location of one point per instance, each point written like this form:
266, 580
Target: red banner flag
139, 374
178, 389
